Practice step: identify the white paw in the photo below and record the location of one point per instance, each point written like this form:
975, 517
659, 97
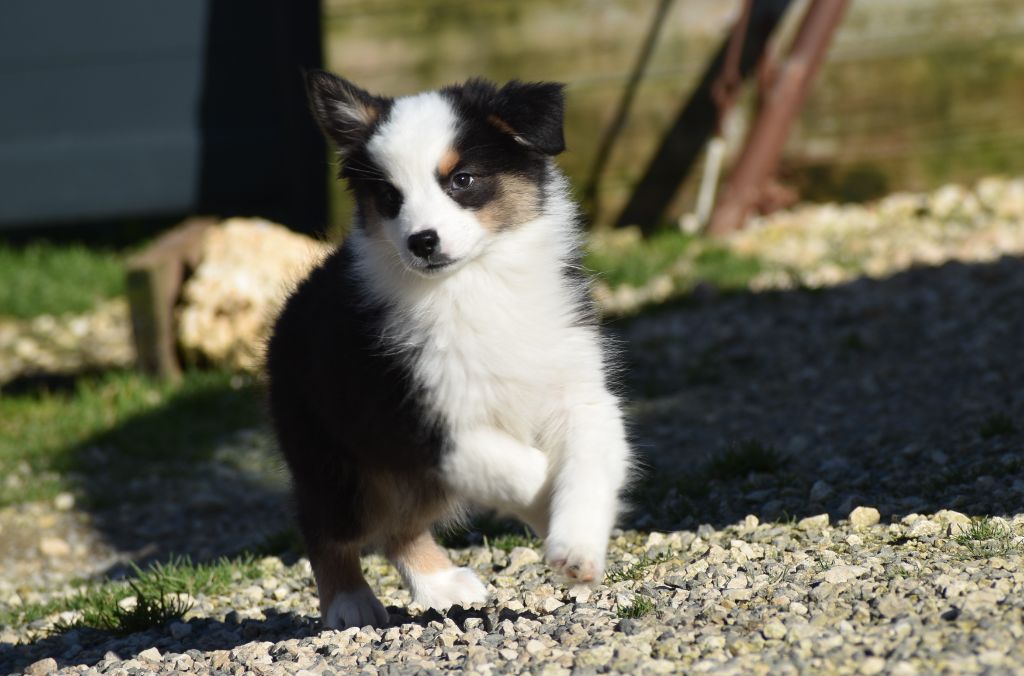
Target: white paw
577, 561
356, 608
450, 587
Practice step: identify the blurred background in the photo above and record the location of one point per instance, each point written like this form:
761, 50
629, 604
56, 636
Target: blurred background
806, 219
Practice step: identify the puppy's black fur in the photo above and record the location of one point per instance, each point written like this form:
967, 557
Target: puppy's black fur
344, 409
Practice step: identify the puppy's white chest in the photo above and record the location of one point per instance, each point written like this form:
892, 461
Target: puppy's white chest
491, 369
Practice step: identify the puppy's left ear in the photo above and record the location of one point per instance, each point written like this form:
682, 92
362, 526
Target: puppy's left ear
533, 112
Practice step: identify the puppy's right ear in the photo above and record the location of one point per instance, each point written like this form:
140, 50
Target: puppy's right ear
345, 113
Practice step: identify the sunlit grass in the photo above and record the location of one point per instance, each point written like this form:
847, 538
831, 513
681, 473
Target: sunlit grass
127, 417
44, 278
161, 593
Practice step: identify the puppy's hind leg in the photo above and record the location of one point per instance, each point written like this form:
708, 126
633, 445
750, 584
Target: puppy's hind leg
346, 600
432, 579
334, 537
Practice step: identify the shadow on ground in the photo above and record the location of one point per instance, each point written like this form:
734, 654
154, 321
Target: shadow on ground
195, 476
904, 393
88, 647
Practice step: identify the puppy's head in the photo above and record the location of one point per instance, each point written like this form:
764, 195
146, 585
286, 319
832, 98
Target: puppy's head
439, 175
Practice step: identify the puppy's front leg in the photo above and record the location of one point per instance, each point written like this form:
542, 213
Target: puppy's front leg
490, 468
591, 473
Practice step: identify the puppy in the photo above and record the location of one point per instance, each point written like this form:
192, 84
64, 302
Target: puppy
446, 356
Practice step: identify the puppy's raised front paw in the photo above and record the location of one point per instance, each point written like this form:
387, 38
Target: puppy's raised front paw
449, 587
357, 608
578, 562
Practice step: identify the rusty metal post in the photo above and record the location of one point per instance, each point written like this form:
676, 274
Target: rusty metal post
764, 145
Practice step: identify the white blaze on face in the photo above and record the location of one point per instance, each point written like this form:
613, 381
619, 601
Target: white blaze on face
419, 132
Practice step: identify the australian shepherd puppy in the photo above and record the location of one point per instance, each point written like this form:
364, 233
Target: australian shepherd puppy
446, 356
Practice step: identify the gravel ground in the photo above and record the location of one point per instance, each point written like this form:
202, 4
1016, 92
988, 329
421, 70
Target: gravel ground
814, 458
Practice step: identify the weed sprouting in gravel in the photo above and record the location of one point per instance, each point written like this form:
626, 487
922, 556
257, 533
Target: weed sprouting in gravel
824, 562
987, 538
997, 425
743, 459
780, 576
510, 541
153, 607
161, 594
635, 571
641, 605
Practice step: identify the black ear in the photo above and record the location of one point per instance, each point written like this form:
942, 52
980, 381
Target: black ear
345, 113
533, 112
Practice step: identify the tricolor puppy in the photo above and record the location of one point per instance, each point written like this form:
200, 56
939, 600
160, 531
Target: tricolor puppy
446, 356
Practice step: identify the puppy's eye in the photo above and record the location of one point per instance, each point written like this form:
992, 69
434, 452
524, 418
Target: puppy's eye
461, 181
389, 200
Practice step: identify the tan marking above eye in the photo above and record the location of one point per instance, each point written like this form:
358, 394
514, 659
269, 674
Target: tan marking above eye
448, 162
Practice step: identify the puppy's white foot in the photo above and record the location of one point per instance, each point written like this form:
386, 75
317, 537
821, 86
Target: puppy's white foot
578, 561
448, 587
356, 608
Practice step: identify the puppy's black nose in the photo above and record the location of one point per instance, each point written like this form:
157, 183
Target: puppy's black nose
423, 243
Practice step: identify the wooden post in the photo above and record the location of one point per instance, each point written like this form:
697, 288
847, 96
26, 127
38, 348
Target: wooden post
764, 145
154, 279
696, 123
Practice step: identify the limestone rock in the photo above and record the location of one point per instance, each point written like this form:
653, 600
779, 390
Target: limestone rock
247, 268
863, 517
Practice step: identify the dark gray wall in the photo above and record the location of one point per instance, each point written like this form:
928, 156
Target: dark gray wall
116, 109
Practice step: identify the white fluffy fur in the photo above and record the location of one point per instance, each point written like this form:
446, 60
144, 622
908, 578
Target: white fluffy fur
444, 588
536, 431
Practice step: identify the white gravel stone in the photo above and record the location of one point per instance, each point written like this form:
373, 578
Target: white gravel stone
864, 517
150, 655
841, 574
817, 522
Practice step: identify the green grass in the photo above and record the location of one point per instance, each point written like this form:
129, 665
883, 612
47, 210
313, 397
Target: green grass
997, 425
509, 541
636, 261
987, 538
155, 589
137, 423
634, 571
641, 605
43, 278
623, 257
489, 529
743, 459
823, 563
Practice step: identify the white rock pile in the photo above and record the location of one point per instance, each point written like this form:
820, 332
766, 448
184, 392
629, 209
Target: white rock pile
246, 270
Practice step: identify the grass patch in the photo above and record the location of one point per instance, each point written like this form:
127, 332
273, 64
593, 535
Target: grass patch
122, 423
44, 278
488, 529
725, 269
997, 425
625, 257
510, 541
635, 571
824, 563
743, 459
641, 605
987, 538
156, 591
